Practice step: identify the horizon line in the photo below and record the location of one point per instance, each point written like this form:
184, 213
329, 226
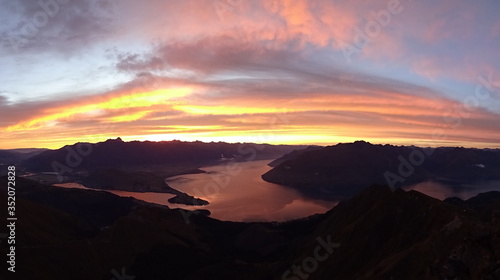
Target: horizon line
323, 144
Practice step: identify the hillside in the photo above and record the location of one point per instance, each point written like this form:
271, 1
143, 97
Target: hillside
292, 155
132, 181
14, 156
136, 181
343, 170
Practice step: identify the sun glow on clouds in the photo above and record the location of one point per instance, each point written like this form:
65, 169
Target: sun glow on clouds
86, 110
223, 110
263, 71
317, 118
384, 103
129, 117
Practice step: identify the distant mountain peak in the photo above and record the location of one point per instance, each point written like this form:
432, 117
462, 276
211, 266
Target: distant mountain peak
355, 144
362, 142
112, 141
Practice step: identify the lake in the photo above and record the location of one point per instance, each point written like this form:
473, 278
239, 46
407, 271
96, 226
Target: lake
236, 192
463, 191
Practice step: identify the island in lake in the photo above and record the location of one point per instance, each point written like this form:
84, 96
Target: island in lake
137, 181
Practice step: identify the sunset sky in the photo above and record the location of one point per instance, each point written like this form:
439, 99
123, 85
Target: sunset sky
277, 71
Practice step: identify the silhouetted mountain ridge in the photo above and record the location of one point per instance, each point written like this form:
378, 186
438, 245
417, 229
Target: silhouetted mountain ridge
119, 154
292, 155
340, 171
14, 156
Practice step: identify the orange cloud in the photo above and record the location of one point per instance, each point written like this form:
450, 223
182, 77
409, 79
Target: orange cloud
316, 22
376, 115
78, 111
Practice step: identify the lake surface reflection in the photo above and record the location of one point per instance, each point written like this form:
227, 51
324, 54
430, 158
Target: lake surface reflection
236, 192
464, 191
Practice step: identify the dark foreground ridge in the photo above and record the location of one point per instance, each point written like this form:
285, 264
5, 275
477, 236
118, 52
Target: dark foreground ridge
377, 234
343, 170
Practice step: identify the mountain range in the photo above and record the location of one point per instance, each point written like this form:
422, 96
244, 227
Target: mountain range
15, 156
115, 153
343, 170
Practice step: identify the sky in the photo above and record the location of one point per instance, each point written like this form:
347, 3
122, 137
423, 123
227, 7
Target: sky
423, 73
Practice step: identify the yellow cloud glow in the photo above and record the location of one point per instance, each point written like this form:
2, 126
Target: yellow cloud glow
137, 100
313, 119
223, 110
128, 117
